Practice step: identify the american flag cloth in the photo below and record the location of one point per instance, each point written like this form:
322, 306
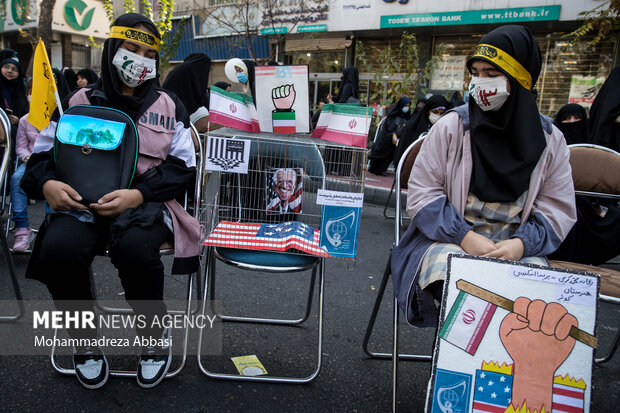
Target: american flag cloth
492, 392
271, 237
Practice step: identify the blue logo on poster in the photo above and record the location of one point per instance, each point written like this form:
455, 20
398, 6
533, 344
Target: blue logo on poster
451, 393
339, 230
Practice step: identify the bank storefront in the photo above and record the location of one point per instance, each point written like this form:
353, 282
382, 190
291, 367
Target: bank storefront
327, 42
74, 21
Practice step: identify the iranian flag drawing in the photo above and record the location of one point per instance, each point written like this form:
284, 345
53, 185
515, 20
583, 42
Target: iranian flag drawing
235, 110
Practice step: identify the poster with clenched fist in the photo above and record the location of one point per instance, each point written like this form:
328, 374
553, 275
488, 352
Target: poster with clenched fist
282, 99
513, 337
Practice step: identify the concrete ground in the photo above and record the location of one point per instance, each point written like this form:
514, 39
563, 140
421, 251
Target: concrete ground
348, 382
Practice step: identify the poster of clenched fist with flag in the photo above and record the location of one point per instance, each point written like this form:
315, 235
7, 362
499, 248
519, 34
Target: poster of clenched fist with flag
282, 99
513, 338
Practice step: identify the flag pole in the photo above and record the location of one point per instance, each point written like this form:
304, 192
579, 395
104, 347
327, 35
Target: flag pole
58, 102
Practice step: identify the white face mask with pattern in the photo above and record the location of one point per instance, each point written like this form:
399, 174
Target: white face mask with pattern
490, 93
132, 68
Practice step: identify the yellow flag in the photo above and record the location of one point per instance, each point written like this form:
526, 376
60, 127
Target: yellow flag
43, 98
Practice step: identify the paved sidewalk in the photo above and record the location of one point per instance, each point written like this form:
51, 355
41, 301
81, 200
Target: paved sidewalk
348, 382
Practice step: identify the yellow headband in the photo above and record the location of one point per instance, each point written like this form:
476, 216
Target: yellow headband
505, 62
135, 35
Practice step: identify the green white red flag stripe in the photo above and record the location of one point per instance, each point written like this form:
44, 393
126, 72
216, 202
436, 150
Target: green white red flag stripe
321, 124
235, 110
348, 125
467, 322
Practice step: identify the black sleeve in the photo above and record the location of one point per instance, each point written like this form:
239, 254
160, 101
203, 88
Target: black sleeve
39, 169
166, 181
347, 92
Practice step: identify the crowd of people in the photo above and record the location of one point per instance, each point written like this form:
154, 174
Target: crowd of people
492, 179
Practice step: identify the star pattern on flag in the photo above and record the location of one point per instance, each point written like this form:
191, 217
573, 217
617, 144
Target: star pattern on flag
493, 391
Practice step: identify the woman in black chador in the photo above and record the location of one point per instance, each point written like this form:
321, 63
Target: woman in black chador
420, 122
383, 149
572, 120
605, 113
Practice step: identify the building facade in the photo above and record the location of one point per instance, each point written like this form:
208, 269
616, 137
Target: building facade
327, 38
74, 21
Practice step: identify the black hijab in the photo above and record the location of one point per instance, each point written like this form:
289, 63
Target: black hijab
574, 132
506, 144
349, 86
604, 129
88, 74
251, 65
109, 76
222, 85
397, 108
61, 84
13, 91
418, 124
71, 78
189, 81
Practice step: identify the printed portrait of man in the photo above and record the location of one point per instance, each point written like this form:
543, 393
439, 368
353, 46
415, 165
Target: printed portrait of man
284, 191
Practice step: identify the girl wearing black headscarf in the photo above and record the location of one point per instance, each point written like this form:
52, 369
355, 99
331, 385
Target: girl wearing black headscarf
134, 222
605, 113
12, 92
572, 121
12, 86
251, 66
382, 152
86, 77
420, 123
492, 178
190, 81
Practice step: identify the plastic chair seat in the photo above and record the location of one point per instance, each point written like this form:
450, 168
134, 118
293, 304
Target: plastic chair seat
265, 258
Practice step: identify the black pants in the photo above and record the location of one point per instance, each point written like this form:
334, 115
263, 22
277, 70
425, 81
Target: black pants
69, 247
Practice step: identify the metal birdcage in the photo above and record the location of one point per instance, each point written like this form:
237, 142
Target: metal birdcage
279, 187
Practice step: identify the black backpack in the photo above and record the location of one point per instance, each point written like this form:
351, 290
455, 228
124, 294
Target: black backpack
95, 150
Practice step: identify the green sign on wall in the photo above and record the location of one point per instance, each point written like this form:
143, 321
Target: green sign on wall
70, 9
276, 30
520, 14
312, 28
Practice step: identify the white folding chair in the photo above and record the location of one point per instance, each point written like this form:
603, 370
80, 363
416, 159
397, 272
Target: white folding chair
403, 182
402, 177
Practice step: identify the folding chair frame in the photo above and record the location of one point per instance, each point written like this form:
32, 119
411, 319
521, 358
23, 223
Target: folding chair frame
387, 203
317, 267
396, 311
604, 298
165, 251
6, 125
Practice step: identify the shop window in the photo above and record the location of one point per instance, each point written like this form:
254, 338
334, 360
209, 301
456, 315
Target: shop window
317, 61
